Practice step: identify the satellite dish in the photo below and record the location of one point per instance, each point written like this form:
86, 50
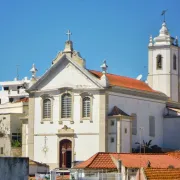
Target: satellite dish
139, 77
146, 82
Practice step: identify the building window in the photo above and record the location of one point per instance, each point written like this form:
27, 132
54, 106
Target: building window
112, 122
46, 108
2, 150
16, 137
11, 100
0, 101
112, 139
134, 124
125, 130
6, 88
86, 107
152, 126
174, 62
159, 62
66, 104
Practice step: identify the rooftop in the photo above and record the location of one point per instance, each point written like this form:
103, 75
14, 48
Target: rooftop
162, 173
104, 160
126, 82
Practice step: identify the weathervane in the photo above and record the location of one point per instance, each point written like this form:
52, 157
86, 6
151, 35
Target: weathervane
163, 14
69, 34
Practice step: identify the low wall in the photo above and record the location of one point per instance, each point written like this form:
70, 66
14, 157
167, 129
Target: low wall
14, 168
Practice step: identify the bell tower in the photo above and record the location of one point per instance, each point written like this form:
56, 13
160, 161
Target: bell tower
163, 63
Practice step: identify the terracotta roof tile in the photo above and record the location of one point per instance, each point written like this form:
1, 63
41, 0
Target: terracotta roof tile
26, 99
174, 154
162, 173
127, 82
63, 177
141, 160
98, 161
104, 160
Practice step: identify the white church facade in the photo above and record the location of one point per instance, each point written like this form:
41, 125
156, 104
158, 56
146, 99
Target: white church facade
75, 112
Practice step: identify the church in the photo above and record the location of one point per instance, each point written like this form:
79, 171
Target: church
75, 112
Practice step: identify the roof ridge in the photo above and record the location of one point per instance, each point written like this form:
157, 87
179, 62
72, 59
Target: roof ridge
115, 75
92, 159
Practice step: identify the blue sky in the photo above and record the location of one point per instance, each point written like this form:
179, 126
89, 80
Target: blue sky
116, 30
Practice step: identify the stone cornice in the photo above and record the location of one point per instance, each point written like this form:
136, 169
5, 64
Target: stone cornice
134, 92
82, 70
173, 104
162, 46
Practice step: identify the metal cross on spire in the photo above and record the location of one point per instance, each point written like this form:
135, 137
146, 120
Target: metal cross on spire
163, 14
69, 34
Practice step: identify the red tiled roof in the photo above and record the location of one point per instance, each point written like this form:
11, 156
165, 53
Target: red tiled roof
174, 154
26, 99
104, 160
62, 177
122, 81
98, 161
141, 160
162, 173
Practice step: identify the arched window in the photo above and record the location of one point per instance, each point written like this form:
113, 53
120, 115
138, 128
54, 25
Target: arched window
174, 62
66, 105
86, 111
159, 62
46, 108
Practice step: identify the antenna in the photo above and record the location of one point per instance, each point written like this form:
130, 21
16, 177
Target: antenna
139, 77
17, 71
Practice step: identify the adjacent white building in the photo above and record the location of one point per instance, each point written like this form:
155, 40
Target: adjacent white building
13, 108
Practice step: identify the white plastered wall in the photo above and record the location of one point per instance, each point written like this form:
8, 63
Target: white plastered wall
86, 138
143, 108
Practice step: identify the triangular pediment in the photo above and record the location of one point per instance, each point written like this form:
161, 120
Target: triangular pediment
66, 73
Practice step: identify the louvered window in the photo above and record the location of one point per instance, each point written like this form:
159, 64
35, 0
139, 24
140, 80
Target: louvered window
159, 62
46, 108
86, 106
66, 106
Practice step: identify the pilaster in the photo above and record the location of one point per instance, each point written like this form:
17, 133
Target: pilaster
103, 108
31, 128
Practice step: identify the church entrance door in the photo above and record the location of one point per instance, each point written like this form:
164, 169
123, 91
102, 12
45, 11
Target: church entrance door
65, 148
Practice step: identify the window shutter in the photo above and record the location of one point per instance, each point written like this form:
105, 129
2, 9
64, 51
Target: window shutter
66, 106
134, 124
151, 126
86, 106
47, 108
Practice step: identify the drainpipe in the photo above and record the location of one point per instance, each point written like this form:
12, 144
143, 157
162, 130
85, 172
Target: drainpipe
119, 166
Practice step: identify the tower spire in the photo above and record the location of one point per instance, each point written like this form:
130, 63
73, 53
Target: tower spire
104, 78
69, 34
33, 71
164, 14
68, 44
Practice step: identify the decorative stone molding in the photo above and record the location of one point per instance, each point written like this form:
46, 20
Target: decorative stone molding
51, 98
83, 95
66, 131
